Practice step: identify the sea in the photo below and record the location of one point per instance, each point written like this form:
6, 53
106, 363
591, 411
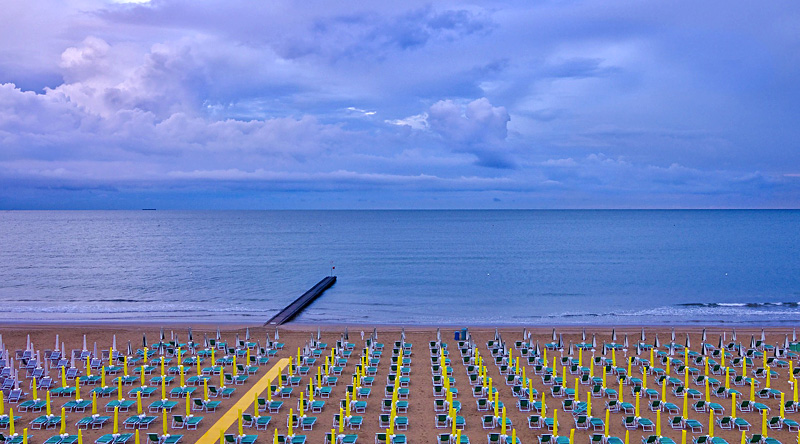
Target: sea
532, 268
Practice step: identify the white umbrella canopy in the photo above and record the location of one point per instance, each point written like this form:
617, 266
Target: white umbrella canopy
114, 342
613, 335
625, 344
643, 336
54, 348
704, 336
278, 338
583, 335
84, 343
733, 335
268, 343
794, 335
247, 334
219, 334
688, 343
752, 341
594, 341
763, 336
130, 349
94, 350
554, 335
656, 342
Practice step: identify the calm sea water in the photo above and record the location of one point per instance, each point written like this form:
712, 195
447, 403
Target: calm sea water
403, 267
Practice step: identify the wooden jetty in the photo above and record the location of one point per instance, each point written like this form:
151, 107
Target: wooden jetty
302, 302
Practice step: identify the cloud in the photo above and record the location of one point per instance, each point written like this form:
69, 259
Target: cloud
475, 127
535, 104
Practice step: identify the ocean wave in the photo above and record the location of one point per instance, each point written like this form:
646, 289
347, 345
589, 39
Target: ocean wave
741, 304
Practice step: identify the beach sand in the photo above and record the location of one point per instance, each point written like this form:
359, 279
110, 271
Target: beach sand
421, 401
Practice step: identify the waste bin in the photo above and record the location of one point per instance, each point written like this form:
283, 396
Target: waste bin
456, 336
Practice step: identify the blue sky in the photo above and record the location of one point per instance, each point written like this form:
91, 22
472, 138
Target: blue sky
241, 104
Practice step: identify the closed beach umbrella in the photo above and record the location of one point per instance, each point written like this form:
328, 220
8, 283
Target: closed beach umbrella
554, 335
191, 338
583, 335
130, 349
704, 335
625, 344
752, 341
268, 344
374, 333
643, 337
94, 350
538, 350
613, 335
84, 342
560, 340
219, 335
571, 351
733, 335
719, 344
656, 343
763, 337
594, 341
673, 335
688, 343
144, 340
794, 336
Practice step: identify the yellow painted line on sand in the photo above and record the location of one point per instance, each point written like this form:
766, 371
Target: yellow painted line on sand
244, 403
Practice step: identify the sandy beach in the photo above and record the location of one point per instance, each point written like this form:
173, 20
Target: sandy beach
421, 398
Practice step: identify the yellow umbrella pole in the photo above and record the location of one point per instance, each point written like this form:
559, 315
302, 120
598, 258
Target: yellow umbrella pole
711, 422
733, 405
116, 420
164, 421
555, 422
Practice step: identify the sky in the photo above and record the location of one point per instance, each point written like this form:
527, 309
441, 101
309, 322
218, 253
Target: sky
196, 104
